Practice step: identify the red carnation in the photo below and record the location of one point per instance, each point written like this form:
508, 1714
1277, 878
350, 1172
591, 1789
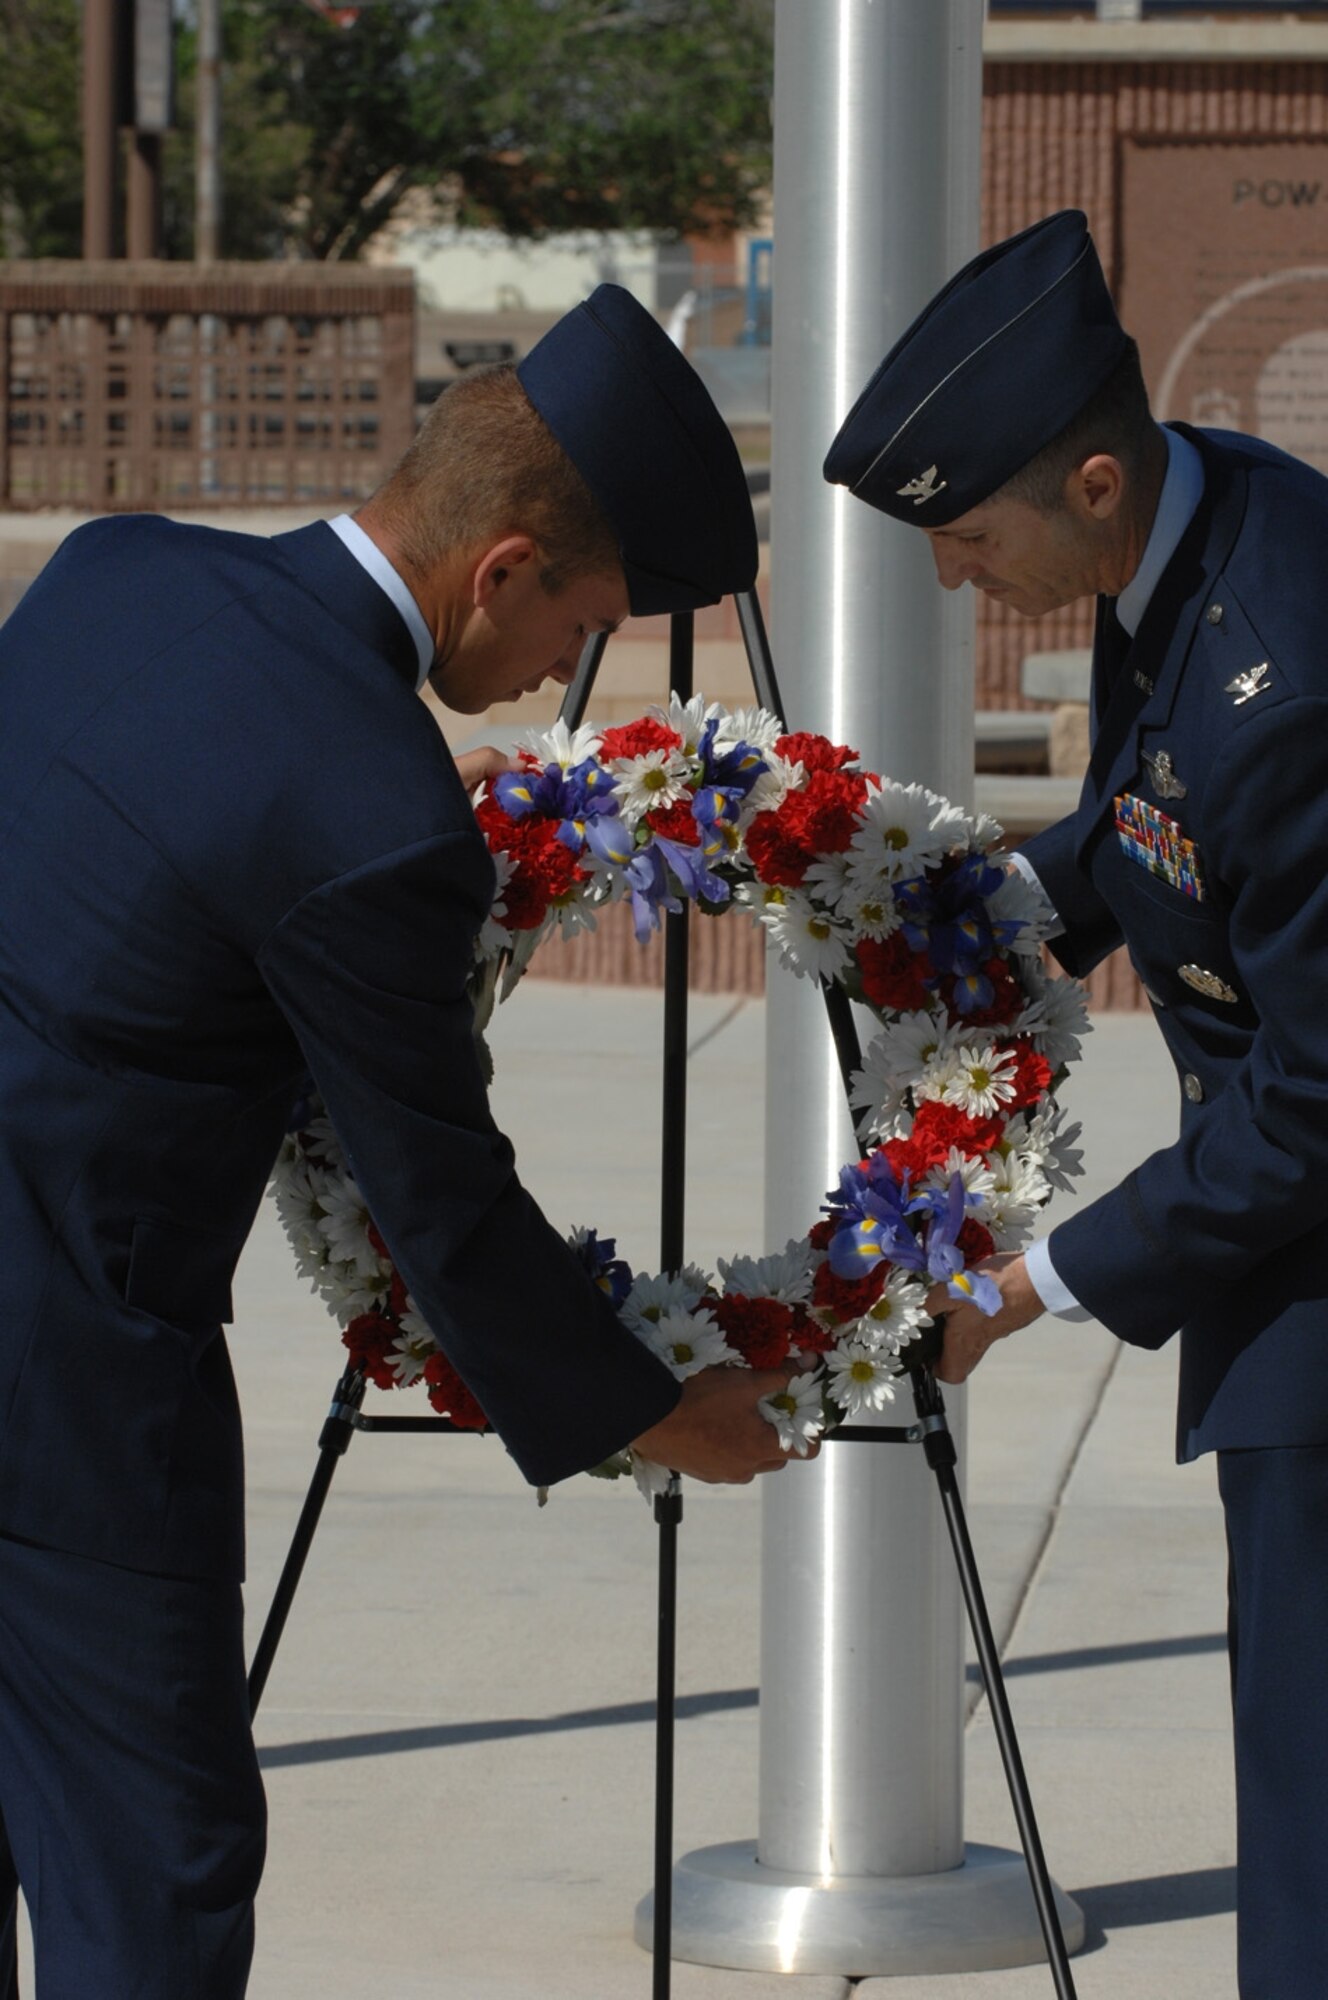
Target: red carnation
759, 1329
676, 822
368, 1338
450, 1397
635, 739
974, 1241
843, 1299
809, 1338
895, 978
776, 850
1032, 1074
938, 1127
814, 753
820, 1233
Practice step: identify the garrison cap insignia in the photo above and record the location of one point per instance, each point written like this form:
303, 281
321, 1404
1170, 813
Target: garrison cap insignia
925, 487
1245, 686
1162, 772
1207, 983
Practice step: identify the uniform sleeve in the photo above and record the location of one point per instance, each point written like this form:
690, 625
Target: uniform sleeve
1249, 1173
370, 972
1090, 929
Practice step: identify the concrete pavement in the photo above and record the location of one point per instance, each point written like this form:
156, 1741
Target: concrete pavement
457, 1735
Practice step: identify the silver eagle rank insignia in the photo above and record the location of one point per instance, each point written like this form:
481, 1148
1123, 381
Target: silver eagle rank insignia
925, 487
1245, 686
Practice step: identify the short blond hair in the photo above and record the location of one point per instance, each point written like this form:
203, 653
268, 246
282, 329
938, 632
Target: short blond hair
484, 464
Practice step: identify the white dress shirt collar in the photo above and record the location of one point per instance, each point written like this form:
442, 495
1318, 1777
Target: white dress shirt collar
371, 558
1181, 492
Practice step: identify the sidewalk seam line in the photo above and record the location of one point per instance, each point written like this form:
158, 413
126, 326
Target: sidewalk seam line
1035, 1568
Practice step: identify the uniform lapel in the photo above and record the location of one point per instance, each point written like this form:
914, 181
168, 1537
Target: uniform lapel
1145, 693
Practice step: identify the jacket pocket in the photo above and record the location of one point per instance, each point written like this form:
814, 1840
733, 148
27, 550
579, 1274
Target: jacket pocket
180, 1275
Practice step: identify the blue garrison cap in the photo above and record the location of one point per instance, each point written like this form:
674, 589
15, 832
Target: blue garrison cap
638, 424
999, 362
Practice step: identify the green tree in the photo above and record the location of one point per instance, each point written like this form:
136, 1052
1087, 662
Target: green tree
41, 158
531, 115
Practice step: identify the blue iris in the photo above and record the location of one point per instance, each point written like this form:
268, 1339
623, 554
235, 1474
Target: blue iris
874, 1212
947, 917
608, 1270
576, 798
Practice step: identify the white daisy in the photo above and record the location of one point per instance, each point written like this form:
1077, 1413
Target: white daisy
826, 880
811, 943
1019, 901
687, 718
983, 1080
895, 1318
975, 1174
652, 1479
652, 1296
770, 790
895, 837
321, 1143
494, 934
756, 726
655, 778
1055, 1018
345, 1224
869, 912
862, 1376
689, 1342
562, 746
411, 1349
784, 1275
797, 1412
1018, 1190
1053, 1148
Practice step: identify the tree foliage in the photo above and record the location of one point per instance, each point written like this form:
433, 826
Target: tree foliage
533, 116
41, 158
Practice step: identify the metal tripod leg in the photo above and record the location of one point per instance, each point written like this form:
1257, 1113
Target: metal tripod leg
939, 1447
333, 1443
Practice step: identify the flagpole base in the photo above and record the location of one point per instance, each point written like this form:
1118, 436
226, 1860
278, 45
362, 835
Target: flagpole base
728, 1910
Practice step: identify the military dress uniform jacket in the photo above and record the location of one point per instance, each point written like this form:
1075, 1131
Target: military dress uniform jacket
1210, 763
233, 844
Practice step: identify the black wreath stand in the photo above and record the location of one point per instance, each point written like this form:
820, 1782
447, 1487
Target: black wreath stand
931, 1430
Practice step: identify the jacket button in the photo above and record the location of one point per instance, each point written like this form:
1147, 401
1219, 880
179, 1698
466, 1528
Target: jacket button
1192, 1087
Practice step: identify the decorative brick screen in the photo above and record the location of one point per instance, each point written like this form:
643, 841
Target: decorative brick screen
147, 386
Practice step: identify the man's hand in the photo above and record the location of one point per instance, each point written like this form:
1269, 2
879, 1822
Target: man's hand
715, 1432
474, 766
969, 1332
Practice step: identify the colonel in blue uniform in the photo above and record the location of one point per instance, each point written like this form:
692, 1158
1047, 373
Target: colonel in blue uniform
232, 844
1010, 424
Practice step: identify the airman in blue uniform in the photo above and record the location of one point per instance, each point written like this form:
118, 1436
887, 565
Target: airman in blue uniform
233, 844
1010, 424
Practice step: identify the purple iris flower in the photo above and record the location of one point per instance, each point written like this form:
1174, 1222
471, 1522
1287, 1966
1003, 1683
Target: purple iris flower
735, 770
944, 1259
605, 1267
871, 1210
946, 916
574, 797
648, 880
875, 1214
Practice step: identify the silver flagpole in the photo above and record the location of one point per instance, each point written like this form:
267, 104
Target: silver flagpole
861, 1864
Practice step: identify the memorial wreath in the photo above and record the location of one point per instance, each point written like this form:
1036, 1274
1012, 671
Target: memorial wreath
885, 889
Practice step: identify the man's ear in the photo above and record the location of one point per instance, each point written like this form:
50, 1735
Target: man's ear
1096, 487
498, 564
